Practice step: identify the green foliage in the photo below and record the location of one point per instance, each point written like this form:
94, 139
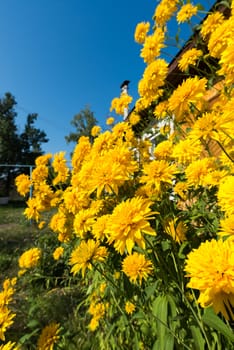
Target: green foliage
16, 148
83, 122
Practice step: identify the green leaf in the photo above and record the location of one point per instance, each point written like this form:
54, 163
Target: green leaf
169, 342
150, 290
28, 336
199, 342
213, 321
156, 345
33, 324
136, 342
160, 311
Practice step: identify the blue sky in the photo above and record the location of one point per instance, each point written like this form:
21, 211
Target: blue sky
57, 56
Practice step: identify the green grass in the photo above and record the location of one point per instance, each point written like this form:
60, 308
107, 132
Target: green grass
16, 235
43, 297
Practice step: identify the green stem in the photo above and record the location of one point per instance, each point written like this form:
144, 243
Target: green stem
223, 149
198, 319
106, 277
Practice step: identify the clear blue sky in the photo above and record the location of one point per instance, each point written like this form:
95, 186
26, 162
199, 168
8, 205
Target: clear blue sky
57, 56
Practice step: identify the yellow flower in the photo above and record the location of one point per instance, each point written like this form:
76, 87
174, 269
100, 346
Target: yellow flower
160, 110
197, 171
85, 255
149, 86
23, 184
190, 92
226, 195
136, 266
110, 121
164, 11
226, 62
8, 291
83, 222
75, 200
187, 151
30, 258
5, 299
111, 170
107, 177
95, 130
186, 12
99, 227
122, 135
6, 320
58, 253
181, 188
154, 76
97, 310
153, 45
141, 31
94, 323
190, 57
80, 153
58, 221
43, 195
41, 225
43, 159
176, 230
60, 167
120, 104
227, 227
102, 287
117, 275
34, 207
218, 40
40, 173
214, 178
129, 307
10, 346
156, 173
127, 224
49, 336
210, 269
134, 118
209, 25
163, 150
207, 126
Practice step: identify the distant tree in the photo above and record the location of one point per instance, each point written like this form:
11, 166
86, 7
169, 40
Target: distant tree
9, 139
16, 148
31, 140
83, 123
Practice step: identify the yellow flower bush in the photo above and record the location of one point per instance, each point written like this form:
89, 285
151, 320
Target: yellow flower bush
145, 212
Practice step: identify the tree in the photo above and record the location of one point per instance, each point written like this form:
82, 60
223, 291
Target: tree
83, 122
9, 138
31, 140
16, 148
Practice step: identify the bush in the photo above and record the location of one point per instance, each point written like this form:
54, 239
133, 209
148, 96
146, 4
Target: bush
141, 253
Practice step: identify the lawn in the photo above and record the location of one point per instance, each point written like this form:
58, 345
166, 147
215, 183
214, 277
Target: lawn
16, 235
42, 298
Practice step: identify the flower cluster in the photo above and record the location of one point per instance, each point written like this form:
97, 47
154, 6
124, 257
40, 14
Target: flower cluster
141, 224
